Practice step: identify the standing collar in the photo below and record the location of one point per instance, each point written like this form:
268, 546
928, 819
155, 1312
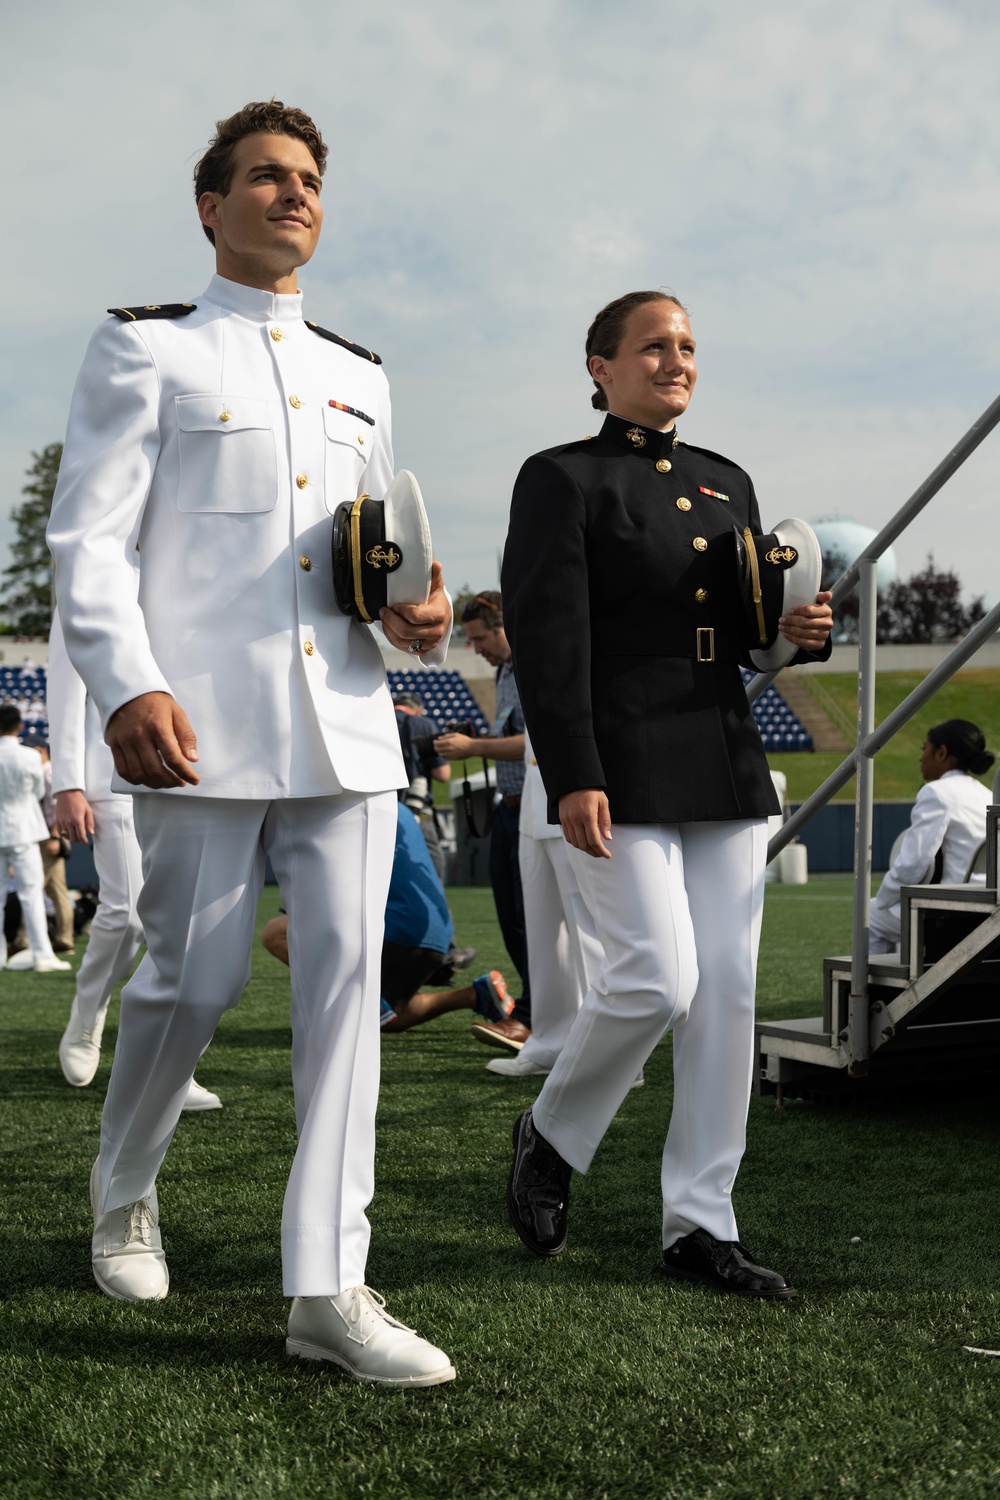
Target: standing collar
638, 439
250, 302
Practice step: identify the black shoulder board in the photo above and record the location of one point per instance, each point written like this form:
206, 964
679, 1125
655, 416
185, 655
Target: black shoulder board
154, 310
335, 338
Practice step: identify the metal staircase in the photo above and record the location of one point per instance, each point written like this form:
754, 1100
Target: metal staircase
934, 1010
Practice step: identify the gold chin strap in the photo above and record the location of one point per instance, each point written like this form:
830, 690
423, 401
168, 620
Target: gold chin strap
354, 529
755, 582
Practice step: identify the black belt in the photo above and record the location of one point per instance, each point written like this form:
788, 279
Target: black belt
512, 801
699, 643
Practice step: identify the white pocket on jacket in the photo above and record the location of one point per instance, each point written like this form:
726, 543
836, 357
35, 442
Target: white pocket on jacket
348, 448
227, 458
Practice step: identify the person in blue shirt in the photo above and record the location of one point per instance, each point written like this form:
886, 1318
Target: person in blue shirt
418, 937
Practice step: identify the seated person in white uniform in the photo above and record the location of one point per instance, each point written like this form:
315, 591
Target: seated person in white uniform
947, 825
22, 829
86, 807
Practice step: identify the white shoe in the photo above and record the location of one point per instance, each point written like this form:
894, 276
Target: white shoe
355, 1332
126, 1252
25, 959
80, 1050
199, 1098
639, 1082
48, 965
516, 1067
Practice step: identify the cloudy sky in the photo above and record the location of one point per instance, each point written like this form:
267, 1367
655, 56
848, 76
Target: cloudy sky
816, 180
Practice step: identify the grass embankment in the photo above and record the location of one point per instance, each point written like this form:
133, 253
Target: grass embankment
579, 1378
973, 694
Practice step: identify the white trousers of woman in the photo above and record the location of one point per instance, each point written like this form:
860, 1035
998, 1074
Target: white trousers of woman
25, 862
115, 932
203, 869
678, 911
885, 926
564, 951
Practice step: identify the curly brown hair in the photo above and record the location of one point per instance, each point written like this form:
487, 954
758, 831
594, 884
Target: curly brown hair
214, 172
607, 330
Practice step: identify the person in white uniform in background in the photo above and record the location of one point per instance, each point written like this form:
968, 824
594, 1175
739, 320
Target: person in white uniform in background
564, 951
947, 824
86, 807
22, 830
209, 446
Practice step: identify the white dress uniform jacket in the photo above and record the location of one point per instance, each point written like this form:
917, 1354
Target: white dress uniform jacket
949, 814
22, 783
178, 570
81, 761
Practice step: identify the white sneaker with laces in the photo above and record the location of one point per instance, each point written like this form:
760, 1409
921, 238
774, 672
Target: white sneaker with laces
516, 1067
355, 1332
199, 1098
80, 1050
126, 1252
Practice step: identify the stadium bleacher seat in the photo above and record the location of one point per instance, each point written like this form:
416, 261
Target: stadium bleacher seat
443, 694
779, 727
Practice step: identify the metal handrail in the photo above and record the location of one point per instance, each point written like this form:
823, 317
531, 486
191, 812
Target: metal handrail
870, 740
921, 496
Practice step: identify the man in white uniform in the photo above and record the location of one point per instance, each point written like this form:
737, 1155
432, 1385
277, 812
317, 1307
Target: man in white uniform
209, 445
947, 824
564, 951
22, 828
82, 771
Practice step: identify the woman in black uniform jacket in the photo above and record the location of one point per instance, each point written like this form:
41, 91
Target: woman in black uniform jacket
622, 610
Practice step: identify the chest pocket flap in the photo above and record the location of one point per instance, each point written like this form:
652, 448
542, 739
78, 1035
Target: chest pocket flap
227, 457
341, 427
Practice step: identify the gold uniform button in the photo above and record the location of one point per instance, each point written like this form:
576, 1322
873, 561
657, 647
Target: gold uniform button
663, 466
309, 648
301, 480
700, 595
225, 416
683, 503
361, 440
305, 564
295, 401
277, 335
699, 544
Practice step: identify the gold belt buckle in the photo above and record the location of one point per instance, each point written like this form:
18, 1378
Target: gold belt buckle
705, 647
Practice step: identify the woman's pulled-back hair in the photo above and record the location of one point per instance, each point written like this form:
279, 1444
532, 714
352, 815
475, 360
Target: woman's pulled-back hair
966, 742
606, 331
214, 172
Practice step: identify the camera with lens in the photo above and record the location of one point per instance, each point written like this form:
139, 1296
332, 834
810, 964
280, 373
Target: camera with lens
462, 726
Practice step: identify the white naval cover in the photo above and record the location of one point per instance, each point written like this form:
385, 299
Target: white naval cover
533, 820
949, 814
81, 761
203, 460
22, 783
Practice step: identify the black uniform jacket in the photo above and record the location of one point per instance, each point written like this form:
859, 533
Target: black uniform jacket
621, 606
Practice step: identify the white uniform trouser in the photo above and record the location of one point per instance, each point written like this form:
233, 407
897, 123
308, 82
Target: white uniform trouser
884, 928
203, 868
115, 932
678, 910
564, 952
29, 878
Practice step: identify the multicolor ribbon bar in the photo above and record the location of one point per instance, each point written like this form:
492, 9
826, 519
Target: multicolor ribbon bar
714, 493
352, 411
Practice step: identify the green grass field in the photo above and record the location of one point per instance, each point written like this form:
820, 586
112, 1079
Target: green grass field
581, 1377
973, 694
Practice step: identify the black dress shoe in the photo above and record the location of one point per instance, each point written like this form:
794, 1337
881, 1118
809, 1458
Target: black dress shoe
538, 1190
725, 1265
